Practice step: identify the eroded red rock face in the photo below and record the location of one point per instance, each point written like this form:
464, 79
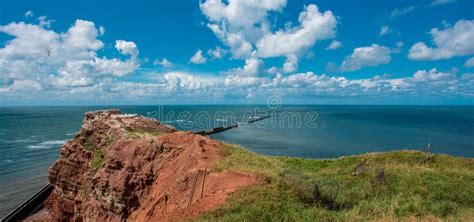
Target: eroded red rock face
134, 168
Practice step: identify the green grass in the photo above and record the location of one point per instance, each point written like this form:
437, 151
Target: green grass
98, 158
141, 132
397, 184
110, 139
89, 145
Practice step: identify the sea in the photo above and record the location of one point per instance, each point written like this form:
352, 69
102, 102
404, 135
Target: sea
30, 137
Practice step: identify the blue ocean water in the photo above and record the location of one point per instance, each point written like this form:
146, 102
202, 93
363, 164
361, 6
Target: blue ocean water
30, 137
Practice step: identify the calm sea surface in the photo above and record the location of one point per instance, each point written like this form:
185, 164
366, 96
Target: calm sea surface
30, 137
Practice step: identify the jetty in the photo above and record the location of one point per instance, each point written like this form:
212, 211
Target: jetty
234, 125
216, 129
255, 119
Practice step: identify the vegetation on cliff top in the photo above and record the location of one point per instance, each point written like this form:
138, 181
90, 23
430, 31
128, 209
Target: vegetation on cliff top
142, 131
391, 185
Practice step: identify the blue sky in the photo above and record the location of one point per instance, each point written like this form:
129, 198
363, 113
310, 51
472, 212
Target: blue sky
147, 52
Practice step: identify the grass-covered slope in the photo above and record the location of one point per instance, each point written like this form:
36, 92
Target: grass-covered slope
393, 185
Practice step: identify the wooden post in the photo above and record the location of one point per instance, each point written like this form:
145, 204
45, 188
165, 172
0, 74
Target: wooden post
166, 202
203, 182
427, 153
282, 175
192, 189
361, 167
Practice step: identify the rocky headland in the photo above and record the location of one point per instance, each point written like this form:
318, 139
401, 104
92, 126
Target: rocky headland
128, 167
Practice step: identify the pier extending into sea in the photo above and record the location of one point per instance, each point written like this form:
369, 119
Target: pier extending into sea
231, 126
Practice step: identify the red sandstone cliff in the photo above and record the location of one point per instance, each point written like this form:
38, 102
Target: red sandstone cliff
133, 168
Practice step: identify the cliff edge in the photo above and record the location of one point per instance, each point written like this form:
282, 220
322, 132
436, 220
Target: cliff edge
128, 167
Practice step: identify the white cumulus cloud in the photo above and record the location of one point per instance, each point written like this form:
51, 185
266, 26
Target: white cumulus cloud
448, 43
384, 30
43, 21
28, 14
126, 48
163, 62
361, 57
334, 45
198, 58
59, 60
252, 67
291, 63
217, 53
239, 24
314, 26
181, 81
432, 75
245, 27
22, 86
